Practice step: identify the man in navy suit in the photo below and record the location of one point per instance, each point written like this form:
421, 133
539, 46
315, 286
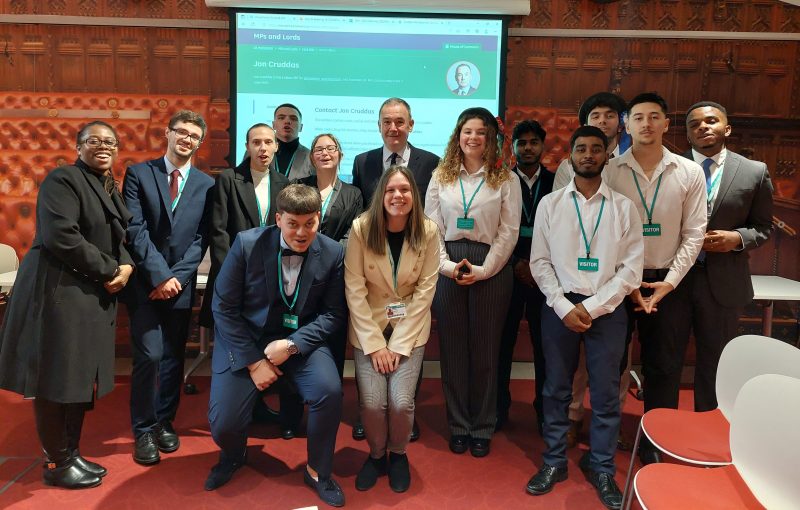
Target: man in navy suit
168, 199
395, 124
278, 298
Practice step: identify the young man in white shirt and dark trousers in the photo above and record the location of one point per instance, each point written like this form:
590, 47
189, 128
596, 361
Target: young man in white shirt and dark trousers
669, 193
586, 256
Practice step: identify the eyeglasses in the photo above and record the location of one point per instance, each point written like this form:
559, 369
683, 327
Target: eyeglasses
182, 133
330, 148
96, 143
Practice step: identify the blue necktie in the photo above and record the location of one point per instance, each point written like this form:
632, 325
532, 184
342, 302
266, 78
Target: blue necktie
707, 170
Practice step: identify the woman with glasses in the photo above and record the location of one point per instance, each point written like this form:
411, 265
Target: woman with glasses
391, 268
476, 202
57, 342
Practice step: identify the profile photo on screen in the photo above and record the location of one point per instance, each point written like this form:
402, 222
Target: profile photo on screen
463, 78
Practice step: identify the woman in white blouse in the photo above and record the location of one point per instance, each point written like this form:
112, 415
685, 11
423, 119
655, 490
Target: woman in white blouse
391, 267
476, 203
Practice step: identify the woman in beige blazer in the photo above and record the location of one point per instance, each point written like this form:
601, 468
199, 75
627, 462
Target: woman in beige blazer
391, 268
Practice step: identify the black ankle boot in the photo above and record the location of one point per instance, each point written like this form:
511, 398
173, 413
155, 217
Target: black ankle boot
74, 425
87, 465
68, 475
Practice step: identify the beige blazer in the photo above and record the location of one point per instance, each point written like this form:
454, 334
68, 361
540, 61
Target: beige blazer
369, 287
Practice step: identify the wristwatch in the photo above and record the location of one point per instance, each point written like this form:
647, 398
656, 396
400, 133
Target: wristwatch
291, 348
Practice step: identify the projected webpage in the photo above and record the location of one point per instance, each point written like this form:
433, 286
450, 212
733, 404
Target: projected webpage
338, 69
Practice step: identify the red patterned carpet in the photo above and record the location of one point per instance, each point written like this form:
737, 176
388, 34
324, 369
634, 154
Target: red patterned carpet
273, 477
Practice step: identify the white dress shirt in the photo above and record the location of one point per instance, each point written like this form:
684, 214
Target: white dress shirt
558, 243
680, 209
261, 185
496, 213
718, 166
184, 173
403, 157
290, 269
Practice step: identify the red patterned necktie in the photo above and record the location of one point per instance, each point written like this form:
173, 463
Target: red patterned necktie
173, 184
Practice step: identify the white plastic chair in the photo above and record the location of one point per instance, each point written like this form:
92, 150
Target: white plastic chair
765, 445
8, 259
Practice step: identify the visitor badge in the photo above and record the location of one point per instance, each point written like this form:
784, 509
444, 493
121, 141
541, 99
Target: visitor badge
396, 310
290, 321
465, 223
588, 264
651, 230
526, 231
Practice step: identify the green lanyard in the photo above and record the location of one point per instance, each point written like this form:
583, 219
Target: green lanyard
327, 201
288, 168
263, 216
280, 283
466, 204
588, 243
529, 214
180, 190
647, 211
714, 185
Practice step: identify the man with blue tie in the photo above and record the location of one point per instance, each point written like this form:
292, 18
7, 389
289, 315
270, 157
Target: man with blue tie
168, 198
739, 207
279, 297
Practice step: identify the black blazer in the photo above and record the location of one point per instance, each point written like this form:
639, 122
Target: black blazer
368, 167
246, 298
743, 204
234, 209
346, 207
58, 335
523, 248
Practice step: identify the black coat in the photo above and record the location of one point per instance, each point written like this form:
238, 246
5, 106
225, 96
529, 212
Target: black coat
58, 335
234, 209
345, 207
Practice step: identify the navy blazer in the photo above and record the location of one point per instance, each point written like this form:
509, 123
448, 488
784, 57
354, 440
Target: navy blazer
246, 293
165, 243
368, 168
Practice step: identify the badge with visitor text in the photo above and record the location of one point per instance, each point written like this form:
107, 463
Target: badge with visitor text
290, 321
588, 264
652, 230
396, 310
465, 223
526, 231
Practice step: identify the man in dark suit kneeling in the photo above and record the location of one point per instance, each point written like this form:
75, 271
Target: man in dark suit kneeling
278, 297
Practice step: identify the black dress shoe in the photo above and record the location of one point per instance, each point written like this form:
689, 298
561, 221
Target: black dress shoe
287, 433
369, 473
607, 489
69, 476
327, 490
479, 447
544, 480
145, 451
166, 437
358, 431
459, 443
649, 456
399, 473
414, 432
221, 474
92, 467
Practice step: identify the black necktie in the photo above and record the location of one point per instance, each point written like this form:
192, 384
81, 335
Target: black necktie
393, 161
288, 252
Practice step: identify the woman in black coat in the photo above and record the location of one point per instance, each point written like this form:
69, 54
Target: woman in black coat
57, 341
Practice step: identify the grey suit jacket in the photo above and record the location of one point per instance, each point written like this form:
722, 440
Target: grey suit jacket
301, 164
743, 204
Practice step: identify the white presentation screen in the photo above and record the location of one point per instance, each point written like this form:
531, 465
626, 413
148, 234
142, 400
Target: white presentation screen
339, 68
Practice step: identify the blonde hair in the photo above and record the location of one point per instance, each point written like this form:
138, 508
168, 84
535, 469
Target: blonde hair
450, 165
373, 226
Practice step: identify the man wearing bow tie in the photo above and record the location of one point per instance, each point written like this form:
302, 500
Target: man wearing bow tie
278, 297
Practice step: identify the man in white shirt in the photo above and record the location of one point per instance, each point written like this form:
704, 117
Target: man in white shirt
670, 196
586, 257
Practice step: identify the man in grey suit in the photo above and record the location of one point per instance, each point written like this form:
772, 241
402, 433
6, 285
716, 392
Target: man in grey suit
739, 202
395, 124
292, 159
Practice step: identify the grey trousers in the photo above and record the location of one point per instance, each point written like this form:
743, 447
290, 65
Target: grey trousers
387, 401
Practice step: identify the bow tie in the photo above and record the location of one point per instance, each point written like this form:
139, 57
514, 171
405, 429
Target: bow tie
288, 252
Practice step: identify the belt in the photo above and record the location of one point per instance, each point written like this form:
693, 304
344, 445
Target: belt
654, 274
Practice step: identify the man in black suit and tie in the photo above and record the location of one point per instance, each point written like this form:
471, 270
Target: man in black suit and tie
463, 78
395, 124
527, 141
168, 198
292, 159
279, 296
739, 199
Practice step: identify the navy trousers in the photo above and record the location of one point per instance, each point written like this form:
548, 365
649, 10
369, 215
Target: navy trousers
233, 395
158, 342
604, 344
